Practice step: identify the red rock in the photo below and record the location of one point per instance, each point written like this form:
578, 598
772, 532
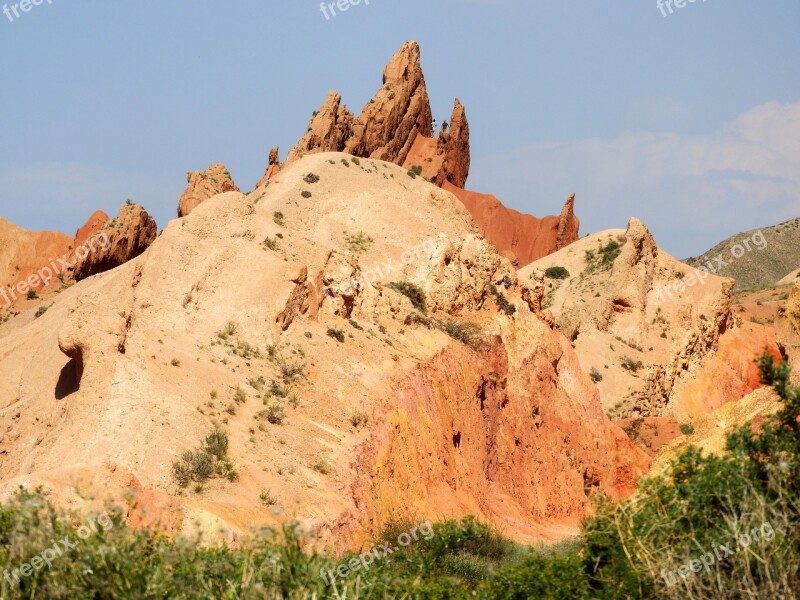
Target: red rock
204, 185
522, 238
273, 167
117, 242
389, 123
446, 158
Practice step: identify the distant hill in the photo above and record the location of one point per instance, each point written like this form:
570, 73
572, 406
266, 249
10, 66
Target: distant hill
755, 258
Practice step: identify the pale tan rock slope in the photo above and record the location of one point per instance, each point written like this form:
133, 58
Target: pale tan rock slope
659, 340
131, 368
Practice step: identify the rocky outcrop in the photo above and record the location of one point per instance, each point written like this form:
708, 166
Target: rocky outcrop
787, 326
446, 158
521, 238
329, 130
396, 126
273, 167
388, 124
568, 225
117, 242
658, 337
47, 262
204, 185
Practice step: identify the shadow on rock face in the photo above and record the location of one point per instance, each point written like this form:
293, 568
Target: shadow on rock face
68, 382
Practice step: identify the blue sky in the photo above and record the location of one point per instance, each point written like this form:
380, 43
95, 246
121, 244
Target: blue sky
690, 122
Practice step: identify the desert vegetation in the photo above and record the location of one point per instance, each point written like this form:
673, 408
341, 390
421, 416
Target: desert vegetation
659, 544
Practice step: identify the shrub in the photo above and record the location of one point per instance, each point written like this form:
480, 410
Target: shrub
267, 499
270, 243
359, 419
631, 365
306, 194
277, 217
256, 384
229, 331
274, 414
321, 467
208, 461
412, 292
556, 273
356, 160
40, 311
276, 390
345, 163
596, 375
290, 368
687, 428
311, 178
32, 295
502, 302
468, 334
360, 242
336, 334
240, 396
175, 362
355, 325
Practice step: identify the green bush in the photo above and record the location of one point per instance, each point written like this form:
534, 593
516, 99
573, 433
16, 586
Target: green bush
502, 302
556, 273
336, 334
208, 461
413, 292
687, 428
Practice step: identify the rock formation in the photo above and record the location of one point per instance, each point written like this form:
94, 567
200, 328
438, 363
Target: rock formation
521, 238
46, 262
115, 243
273, 167
388, 123
659, 338
787, 326
446, 158
568, 225
499, 421
204, 185
396, 126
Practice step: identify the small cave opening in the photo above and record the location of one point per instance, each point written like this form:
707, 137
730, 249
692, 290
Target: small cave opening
68, 380
457, 440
